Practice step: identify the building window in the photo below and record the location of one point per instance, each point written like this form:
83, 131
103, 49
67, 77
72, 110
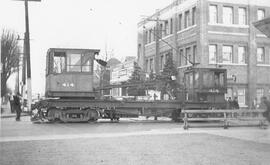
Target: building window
146, 36
241, 96
242, 16
181, 55
188, 56
154, 34
260, 55
213, 14
146, 66
227, 15
171, 26
186, 19
212, 54
180, 22
166, 57
150, 35
161, 62
259, 94
166, 28
151, 65
194, 53
160, 30
193, 15
227, 54
241, 55
260, 14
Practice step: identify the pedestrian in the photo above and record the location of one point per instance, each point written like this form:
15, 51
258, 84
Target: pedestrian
230, 103
266, 103
255, 104
235, 104
17, 106
11, 102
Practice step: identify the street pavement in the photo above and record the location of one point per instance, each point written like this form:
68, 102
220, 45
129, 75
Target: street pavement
130, 141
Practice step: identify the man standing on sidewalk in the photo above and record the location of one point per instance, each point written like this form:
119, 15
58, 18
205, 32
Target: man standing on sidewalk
267, 105
17, 106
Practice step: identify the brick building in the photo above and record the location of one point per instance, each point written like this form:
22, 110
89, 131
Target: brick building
122, 73
212, 33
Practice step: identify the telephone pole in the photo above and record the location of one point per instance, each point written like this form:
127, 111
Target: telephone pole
157, 43
27, 54
157, 33
28, 59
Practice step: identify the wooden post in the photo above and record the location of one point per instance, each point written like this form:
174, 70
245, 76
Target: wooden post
226, 124
185, 121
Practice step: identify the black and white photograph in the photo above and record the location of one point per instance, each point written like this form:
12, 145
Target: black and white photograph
135, 82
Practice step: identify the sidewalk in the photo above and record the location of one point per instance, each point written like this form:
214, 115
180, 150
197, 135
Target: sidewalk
6, 112
13, 115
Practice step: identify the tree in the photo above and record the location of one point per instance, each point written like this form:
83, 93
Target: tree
9, 57
137, 78
169, 85
169, 69
136, 74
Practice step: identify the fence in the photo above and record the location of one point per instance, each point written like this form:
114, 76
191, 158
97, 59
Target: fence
227, 117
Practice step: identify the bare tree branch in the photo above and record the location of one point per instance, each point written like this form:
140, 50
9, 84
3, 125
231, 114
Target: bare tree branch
10, 57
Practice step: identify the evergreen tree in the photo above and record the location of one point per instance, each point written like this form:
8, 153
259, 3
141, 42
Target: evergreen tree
169, 85
169, 69
136, 74
138, 78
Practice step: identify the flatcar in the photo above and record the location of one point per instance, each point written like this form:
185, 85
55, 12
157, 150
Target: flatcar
71, 97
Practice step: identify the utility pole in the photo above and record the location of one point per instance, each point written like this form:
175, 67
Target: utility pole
27, 54
157, 43
0, 76
157, 38
28, 60
23, 70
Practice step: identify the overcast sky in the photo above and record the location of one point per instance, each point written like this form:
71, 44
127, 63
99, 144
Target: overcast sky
77, 24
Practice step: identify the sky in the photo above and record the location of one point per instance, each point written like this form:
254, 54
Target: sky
90, 24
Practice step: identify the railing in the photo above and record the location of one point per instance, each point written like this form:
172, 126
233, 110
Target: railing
227, 117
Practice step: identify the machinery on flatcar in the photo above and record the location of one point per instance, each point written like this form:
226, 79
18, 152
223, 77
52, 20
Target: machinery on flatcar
207, 85
69, 77
69, 73
70, 96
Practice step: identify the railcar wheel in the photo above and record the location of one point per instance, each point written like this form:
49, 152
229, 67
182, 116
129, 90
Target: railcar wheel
93, 115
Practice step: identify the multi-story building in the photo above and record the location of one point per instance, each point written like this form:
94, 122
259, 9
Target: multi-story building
121, 73
211, 33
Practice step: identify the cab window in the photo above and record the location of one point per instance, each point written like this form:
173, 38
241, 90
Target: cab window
59, 64
79, 63
74, 63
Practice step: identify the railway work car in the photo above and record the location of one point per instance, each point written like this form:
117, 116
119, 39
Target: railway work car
69, 73
206, 85
71, 97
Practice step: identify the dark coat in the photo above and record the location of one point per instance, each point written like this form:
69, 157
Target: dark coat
235, 104
267, 112
17, 103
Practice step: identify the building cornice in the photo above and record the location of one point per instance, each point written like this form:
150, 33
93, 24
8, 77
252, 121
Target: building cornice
265, 3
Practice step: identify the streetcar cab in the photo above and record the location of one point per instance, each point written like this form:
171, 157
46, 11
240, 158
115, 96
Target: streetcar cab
205, 84
69, 72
